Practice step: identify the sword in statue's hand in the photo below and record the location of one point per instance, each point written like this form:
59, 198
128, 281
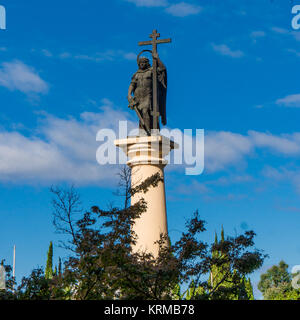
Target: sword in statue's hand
133, 106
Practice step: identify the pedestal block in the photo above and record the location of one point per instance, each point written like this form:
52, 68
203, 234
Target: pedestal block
146, 158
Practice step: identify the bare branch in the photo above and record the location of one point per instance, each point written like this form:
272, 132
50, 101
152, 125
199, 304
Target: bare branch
66, 206
124, 185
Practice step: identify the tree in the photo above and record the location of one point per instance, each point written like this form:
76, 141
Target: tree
59, 267
49, 264
66, 206
124, 185
249, 289
35, 287
236, 286
43, 284
224, 281
103, 265
276, 284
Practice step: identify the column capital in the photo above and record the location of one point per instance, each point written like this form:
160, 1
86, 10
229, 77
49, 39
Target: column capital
146, 149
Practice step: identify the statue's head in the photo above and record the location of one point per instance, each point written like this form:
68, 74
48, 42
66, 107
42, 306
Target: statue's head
144, 63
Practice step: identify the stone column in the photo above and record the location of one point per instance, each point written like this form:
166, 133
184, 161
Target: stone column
146, 158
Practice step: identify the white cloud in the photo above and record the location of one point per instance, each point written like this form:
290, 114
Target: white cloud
259, 106
61, 150
193, 187
297, 53
224, 50
183, 9
47, 53
18, 76
65, 149
225, 149
229, 180
284, 144
130, 56
296, 35
65, 55
280, 30
273, 173
149, 3
292, 100
283, 174
226, 197
257, 34
108, 55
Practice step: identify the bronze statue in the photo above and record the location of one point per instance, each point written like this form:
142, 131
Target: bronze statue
149, 88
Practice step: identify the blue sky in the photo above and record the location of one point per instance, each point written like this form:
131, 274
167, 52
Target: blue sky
233, 70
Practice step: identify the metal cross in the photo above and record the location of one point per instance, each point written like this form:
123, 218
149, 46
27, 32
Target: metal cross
154, 42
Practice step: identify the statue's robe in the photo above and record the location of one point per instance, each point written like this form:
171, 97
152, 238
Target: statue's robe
162, 93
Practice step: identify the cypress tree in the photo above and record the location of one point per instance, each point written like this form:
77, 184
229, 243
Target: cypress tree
216, 238
59, 267
55, 271
245, 290
222, 234
49, 265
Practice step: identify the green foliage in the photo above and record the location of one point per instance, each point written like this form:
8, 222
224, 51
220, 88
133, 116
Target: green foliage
55, 271
102, 265
35, 287
49, 264
176, 292
276, 284
38, 287
274, 277
225, 281
249, 289
195, 292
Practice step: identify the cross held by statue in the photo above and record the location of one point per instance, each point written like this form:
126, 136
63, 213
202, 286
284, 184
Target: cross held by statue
154, 42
